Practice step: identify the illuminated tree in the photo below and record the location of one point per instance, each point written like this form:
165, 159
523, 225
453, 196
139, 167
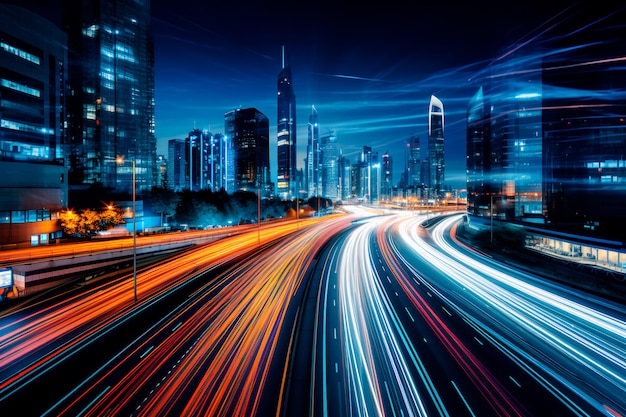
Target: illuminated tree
89, 222
70, 222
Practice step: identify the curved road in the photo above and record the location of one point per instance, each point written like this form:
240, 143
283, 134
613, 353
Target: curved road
350, 316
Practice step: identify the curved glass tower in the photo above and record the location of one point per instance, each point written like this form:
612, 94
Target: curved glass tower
435, 147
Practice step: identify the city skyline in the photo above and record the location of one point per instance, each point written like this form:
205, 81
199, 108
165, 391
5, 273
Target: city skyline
370, 73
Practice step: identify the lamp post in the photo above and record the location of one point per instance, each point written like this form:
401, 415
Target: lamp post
491, 223
120, 160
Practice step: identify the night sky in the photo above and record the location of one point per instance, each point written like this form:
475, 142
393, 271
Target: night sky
368, 69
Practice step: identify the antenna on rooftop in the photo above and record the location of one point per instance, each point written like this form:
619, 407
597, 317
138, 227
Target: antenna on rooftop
283, 56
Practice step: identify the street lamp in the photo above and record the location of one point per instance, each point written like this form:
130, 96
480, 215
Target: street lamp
120, 160
491, 223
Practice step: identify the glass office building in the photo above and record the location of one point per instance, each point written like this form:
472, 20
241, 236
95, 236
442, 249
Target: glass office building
247, 131
546, 132
111, 101
330, 173
313, 156
436, 160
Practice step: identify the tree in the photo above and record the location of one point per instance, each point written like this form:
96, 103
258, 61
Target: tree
89, 222
70, 222
164, 202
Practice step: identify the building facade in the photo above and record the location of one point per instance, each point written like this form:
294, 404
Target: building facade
33, 184
286, 136
111, 100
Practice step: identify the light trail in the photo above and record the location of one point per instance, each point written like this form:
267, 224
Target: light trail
374, 339
213, 354
573, 342
34, 343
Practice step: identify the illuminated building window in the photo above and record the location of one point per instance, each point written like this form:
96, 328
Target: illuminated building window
21, 53
91, 31
20, 87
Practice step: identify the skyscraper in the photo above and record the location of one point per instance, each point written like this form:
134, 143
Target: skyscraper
193, 149
111, 105
435, 148
345, 186
313, 160
387, 177
248, 131
217, 162
328, 145
414, 162
176, 165
286, 135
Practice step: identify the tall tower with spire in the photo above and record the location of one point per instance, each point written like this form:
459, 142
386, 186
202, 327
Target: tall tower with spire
286, 134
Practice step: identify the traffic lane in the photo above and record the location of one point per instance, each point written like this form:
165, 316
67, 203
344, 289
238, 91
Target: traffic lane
372, 375
240, 382
102, 308
462, 382
522, 321
305, 392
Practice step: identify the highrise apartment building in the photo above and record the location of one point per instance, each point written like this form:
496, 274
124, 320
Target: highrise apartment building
111, 99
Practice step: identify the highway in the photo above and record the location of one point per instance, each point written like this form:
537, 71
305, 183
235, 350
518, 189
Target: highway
60, 349
409, 324
356, 315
